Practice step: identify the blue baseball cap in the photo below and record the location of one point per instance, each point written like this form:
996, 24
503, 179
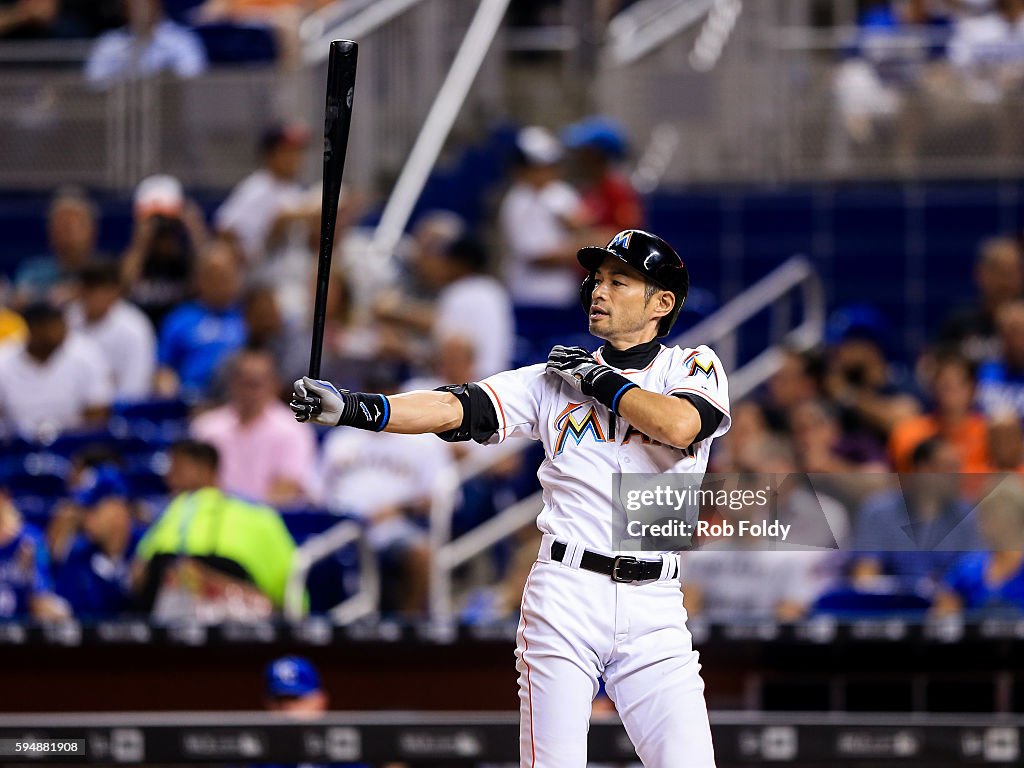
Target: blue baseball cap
292, 676
857, 321
602, 133
101, 483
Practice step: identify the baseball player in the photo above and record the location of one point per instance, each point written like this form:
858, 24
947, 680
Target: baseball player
589, 611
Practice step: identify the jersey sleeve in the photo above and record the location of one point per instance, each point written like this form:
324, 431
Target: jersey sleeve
699, 373
515, 396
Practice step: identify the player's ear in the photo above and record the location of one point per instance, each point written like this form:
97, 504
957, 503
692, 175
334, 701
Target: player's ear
664, 302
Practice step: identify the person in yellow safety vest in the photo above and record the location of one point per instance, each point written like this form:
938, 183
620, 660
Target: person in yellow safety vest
235, 537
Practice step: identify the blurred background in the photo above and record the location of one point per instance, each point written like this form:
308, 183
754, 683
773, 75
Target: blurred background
845, 181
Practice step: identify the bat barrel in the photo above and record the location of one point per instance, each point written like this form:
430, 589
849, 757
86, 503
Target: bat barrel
341, 80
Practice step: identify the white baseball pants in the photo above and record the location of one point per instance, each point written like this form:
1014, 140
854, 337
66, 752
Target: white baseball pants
576, 626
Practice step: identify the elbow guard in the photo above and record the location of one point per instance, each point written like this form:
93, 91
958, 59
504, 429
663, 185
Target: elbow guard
479, 421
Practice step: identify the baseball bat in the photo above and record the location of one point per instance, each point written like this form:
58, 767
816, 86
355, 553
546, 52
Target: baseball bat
341, 82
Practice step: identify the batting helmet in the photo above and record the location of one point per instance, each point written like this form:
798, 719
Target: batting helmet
649, 255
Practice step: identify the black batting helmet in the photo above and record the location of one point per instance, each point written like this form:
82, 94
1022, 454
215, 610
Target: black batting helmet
646, 253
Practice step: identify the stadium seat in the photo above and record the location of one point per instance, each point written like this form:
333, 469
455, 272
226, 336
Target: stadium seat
143, 482
237, 43
47, 485
157, 411
305, 522
156, 422
181, 10
848, 602
70, 443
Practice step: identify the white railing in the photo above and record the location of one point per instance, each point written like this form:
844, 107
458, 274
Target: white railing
774, 292
643, 27
348, 20
364, 602
438, 124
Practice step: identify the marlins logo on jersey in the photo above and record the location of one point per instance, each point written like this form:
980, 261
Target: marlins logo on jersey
568, 425
705, 366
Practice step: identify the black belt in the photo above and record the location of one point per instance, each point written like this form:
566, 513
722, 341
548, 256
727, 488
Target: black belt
622, 568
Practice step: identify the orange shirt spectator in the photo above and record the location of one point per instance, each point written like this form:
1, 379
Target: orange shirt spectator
952, 419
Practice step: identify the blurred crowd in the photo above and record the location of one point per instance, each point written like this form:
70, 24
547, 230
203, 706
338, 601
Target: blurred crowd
142, 392
134, 38
945, 534
150, 463
954, 61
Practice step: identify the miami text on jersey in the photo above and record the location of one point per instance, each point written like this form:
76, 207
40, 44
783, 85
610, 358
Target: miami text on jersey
568, 425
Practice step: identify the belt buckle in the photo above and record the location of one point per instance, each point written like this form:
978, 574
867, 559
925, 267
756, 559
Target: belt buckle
617, 565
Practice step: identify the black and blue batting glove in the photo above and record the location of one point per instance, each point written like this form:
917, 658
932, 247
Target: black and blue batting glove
321, 402
577, 366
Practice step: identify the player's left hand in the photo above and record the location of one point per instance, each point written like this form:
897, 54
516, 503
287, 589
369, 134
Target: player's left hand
577, 366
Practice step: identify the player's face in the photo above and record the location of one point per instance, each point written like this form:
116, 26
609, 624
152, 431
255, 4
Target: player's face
620, 310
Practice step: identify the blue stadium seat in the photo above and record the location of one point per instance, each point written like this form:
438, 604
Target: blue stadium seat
70, 443
157, 423
849, 602
157, 411
181, 10
144, 482
47, 485
238, 44
304, 522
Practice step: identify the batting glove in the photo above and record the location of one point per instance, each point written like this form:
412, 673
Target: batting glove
578, 367
323, 403
317, 401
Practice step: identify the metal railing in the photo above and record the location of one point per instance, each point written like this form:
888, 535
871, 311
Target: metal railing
770, 101
775, 292
796, 277
438, 124
363, 602
645, 26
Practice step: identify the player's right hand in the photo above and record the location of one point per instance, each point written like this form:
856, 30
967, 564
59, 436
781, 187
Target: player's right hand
317, 401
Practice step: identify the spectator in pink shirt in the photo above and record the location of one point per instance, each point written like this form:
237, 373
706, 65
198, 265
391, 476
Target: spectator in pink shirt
265, 454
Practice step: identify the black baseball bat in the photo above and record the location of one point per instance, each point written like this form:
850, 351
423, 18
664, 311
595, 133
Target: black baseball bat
341, 83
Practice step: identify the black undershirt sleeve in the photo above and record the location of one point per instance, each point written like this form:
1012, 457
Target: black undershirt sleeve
479, 419
710, 417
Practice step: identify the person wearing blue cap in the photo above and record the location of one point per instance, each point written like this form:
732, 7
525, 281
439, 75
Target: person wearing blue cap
95, 577
599, 145
293, 687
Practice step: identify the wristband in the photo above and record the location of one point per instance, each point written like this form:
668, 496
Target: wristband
365, 411
608, 387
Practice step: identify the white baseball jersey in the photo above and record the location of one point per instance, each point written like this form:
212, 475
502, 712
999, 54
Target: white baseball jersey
585, 444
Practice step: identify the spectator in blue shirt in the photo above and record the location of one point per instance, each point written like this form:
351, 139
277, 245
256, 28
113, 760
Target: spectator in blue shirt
26, 585
1001, 380
915, 532
95, 578
149, 44
199, 335
992, 580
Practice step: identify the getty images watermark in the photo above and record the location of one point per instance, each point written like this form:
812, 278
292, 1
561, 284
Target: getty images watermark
663, 497
875, 512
